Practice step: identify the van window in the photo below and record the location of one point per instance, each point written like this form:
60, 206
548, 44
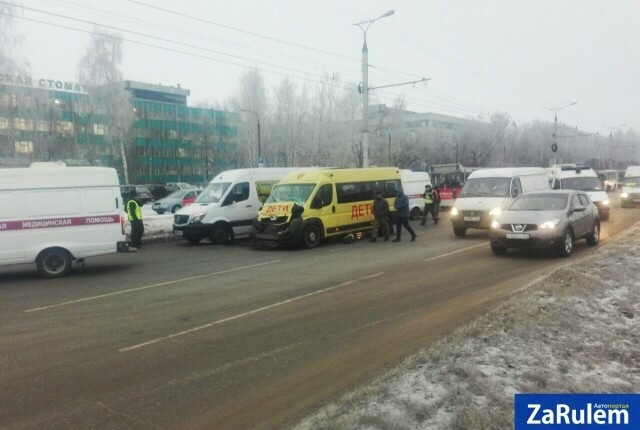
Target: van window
213, 193
52, 203
575, 202
516, 187
239, 193
100, 201
325, 193
7, 206
364, 191
486, 187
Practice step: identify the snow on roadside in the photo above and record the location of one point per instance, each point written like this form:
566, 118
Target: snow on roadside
576, 331
156, 227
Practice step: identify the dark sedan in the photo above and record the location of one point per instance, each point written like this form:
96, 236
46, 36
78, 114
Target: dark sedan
547, 219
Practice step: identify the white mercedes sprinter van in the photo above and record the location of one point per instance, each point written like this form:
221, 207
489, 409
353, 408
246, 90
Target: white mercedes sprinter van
413, 184
488, 191
630, 194
581, 178
227, 207
51, 214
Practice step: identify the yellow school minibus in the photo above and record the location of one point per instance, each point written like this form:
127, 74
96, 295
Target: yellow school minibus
310, 205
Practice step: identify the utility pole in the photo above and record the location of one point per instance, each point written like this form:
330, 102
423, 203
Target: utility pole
260, 158
554, 145
611, 129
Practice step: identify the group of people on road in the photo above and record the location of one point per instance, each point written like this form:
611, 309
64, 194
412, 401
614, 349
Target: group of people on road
381, 213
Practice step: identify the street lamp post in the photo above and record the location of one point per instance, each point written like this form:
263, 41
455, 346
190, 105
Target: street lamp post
260, 159
555, 110
364, 26
611, 129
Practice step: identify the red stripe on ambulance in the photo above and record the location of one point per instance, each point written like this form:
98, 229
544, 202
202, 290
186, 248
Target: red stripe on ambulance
58, 222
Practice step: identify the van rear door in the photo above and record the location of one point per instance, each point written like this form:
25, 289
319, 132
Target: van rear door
11, 236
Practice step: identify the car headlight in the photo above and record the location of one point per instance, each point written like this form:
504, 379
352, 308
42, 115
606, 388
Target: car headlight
454, 211
624, 195
495, 211
198, 217
605, 202
550, 224
495, 224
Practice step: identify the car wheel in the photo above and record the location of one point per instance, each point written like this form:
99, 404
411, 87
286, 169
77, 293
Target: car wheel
497, 248
565, 247
220, 234
175, 209
54, 263
415, 213
459, 231
194, 240
594, 236
311, 238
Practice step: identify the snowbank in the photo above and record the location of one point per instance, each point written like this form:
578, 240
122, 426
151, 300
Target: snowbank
156, 227
578, 330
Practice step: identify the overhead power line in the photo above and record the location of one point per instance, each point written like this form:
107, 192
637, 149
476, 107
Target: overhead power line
239, 30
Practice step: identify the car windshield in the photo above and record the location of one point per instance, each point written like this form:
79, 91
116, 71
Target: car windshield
486, 187
632, 181
537, 202
581, 184
213, 193
298, 193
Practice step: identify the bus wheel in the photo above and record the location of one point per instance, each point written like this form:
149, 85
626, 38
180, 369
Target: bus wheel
54, 263
311, 237
415, 213
459, 231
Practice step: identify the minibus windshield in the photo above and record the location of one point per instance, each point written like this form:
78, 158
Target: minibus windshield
213, 193
486, 187
298, 193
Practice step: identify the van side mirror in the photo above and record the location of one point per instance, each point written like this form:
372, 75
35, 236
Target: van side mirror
514, 193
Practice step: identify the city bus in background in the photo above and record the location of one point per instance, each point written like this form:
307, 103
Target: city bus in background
449, 179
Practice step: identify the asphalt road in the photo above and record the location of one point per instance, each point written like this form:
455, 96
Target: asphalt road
180, 336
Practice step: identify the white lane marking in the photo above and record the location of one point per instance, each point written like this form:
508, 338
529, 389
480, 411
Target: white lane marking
455, 252
162, 284
245, 314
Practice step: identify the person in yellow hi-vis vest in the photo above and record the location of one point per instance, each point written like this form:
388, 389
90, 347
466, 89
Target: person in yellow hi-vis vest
429, 205
135, 218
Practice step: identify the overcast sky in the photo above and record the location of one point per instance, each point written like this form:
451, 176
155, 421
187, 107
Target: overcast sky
512, 56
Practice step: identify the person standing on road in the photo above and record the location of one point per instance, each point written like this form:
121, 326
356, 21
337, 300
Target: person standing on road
436, 203
402, 207
429, 205
380, 217
135, 218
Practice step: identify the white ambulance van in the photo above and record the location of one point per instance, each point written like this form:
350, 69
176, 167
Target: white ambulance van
413, 184
630, 194
51, 215
581, 178
227, 207
489, 191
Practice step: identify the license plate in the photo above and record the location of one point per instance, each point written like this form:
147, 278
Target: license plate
517, 236
178, 232
472, 218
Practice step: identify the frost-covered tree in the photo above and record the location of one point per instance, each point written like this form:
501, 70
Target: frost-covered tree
110, 103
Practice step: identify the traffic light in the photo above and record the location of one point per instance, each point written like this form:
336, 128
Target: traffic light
554, 147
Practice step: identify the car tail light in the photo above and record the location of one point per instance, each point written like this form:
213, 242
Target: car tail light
122, 224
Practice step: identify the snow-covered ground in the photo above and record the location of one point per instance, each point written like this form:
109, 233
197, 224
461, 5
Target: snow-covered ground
576, 330
156, 227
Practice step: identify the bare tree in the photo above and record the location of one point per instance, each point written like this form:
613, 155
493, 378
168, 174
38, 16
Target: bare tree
99, 70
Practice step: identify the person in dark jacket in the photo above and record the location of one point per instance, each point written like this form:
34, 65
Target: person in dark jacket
135, 218
380, 217
402, 207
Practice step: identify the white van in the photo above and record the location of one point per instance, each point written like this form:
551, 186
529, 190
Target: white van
227, 207
630, 195
581, 178
413, 184
51, 214
488, 191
